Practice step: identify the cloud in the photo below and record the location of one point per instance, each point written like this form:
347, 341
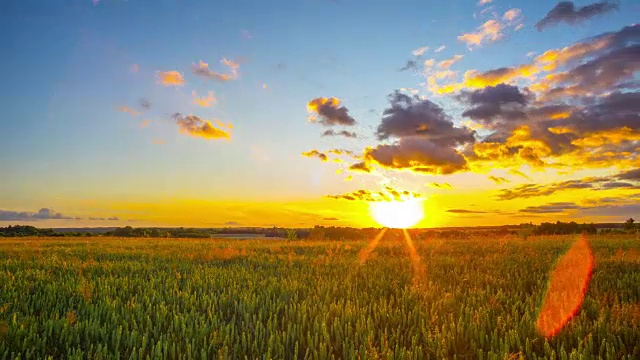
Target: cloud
525, 191
42, 214
361, 166
630, 175
207, 101
445, 64
170, 78
195, 126
483, 2
329, 112
128, 110
498, 179
554, 207
518, 173
465, 211
114, 218
410, 115
317, 154
232, 223
488, 32
330, 219
566, 11
420, 51
345, 152
440, 185
500, 103
388, 194
344, 133
440, 48
134, 69
202, 69
410, 65
144, 124
246, 34
549, 61
144, 103
417, 154
512, 15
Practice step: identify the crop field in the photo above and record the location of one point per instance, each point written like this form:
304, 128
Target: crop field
476, 298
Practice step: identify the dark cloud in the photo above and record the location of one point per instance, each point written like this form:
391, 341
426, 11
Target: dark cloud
330, 219
232, 223
419, 155
618, 185
317, 154
361, 166
597, 183
554, 207
42, 214
195, 126
329, 112
566, 11
440, 185
630, 175
525, 191
344, 133
465, 211
498, 179
410, 65
598, 75
495, 103
144, 103
115, 218
410, 116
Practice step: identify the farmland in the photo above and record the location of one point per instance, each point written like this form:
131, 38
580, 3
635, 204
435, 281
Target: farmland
105, 298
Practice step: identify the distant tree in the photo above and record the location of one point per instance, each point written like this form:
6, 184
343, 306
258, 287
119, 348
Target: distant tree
629, 224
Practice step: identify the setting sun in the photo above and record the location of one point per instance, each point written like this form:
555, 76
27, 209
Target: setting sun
398, 214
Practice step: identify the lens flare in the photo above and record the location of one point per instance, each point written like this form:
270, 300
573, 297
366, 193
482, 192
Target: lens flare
398, 214
567, 288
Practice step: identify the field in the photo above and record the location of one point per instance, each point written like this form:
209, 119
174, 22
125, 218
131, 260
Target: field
108, 298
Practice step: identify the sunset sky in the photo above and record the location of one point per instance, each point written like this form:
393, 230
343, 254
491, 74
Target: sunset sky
299, 113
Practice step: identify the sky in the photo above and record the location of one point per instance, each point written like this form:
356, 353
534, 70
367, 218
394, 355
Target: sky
306, 112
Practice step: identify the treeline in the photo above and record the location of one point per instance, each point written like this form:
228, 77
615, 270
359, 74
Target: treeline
332, 232
26, 230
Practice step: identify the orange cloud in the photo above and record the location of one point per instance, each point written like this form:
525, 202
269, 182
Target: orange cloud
445, 64
202, 69
316, 154
194, 126
204, 101
144, 124
488, 32
170, 78
128, 110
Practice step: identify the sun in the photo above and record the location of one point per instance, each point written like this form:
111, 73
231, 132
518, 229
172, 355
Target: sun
398, 214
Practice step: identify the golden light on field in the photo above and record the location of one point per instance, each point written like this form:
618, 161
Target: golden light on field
398, 214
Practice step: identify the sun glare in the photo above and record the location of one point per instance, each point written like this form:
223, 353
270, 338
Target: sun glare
398, 214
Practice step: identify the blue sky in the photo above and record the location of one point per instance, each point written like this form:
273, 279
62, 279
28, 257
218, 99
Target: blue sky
68, 70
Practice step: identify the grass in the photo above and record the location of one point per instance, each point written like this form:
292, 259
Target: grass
123, 298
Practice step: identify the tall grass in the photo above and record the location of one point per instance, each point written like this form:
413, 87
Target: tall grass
112, 298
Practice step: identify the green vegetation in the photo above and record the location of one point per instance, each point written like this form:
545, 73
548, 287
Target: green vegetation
130, 298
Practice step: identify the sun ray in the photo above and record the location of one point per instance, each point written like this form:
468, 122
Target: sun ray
419, 272
366, 252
